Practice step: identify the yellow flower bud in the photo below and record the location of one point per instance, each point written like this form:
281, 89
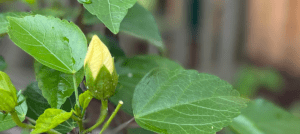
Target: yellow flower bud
101, 76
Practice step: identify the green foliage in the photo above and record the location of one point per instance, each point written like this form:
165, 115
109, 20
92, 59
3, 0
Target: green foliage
37, 104
139, 131
3, 64
8, 94
55, 43
184, 101
263, 117
4, 23
110, 12
50, 119
6, 121
85, 99
140, 23
56, 86
251, 78
131, 71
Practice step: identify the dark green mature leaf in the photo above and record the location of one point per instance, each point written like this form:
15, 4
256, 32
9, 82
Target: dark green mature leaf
56, 86
131, 71
4, 23
3, 64
184, 101
6, 122
140, 23
110, 12
55, 43
50, 119
37, 104
263, 117
139, 131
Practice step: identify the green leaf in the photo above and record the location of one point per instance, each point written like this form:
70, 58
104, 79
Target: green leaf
85, 98
110, 12
139, 131
3, 64
55, 43
85, 1
56, 86
250, 79
38, 104
184, 101
263, 117
140, 23
6, 122
50, 119
4, 23
7, 85
131, 71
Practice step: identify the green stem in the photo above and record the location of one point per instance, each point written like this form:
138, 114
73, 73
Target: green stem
75, 118
103, 114
79, 122
111, 117
75, 90
16, 119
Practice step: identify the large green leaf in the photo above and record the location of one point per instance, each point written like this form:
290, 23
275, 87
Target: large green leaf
131, 71
185, 101
263, 117
37, 104
140, 23
55, 85
55, 43
110, 12
50, 119
6, 122
4, 23
3, 64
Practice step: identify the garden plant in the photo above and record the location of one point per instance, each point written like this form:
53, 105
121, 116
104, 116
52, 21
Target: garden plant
160, 94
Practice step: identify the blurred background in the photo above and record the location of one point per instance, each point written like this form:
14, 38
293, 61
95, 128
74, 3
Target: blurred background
252, 44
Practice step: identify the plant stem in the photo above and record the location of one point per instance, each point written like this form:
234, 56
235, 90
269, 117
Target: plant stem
103, 114
31, 120
16, 119
75, 90
79, 122
111, 117
75, 118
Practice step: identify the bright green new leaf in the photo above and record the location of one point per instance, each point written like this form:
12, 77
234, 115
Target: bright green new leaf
37, 104
184, 101
3, 64
8, 93
56, 86
263, 117
110, 12
85, 1
131, 71
85, 98
6, 122
4, 23
50, 119
140, 23
55, 43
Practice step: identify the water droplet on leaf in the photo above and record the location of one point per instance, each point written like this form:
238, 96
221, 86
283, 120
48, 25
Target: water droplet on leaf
129, 75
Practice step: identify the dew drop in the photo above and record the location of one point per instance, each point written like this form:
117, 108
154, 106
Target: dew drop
212, 127
129, 75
